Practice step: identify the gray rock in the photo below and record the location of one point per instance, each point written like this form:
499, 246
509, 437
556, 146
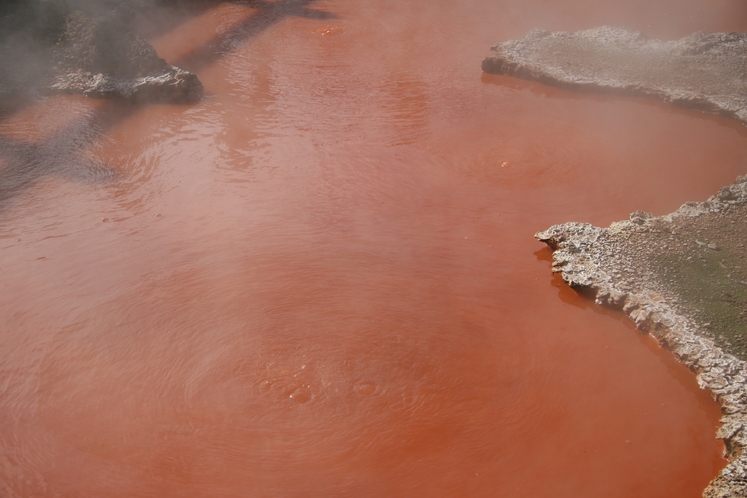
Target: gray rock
84, 47
102, 58
705, 71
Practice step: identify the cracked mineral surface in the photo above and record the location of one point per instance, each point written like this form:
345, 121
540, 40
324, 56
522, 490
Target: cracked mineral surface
683, 279
705, 71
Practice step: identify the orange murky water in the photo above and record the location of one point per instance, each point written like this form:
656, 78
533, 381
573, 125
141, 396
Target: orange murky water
321, 280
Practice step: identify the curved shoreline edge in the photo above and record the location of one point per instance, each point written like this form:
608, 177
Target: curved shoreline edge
673, 285
703, 71
597, 260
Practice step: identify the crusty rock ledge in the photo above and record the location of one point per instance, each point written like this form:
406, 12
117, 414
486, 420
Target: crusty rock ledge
704, 71
644, 266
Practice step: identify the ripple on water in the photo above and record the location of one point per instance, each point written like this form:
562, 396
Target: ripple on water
365, 388
301, 394
355, 319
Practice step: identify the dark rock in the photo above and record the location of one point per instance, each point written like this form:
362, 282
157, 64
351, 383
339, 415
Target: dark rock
104, 46
86, 47
103, 58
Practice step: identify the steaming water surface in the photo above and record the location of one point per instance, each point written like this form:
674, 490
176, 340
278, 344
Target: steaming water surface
321, 280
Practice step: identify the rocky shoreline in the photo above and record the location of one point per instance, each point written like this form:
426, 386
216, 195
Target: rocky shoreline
681, 277
704, 71
621, 266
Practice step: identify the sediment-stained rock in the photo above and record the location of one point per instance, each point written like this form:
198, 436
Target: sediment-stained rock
683, 279
706, 71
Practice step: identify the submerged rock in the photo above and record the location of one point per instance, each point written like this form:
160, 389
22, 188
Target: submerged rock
705, 71
680, 278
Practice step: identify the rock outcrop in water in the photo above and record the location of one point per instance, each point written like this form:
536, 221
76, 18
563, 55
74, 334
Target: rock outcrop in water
683, 279
85, 48
104, 59
705, 71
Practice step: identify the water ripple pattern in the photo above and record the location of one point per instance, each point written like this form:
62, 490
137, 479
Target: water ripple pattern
321, 279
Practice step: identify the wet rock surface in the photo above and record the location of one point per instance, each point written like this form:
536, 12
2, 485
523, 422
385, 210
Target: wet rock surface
683, 279
706, 71
103, 58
